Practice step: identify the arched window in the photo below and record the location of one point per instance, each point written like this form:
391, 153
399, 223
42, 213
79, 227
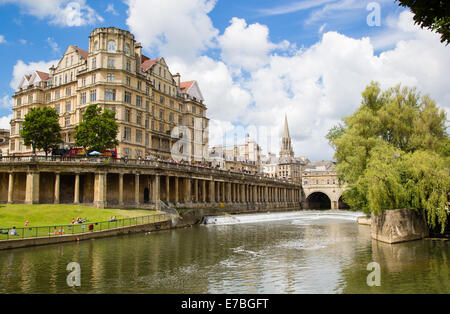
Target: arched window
111, 46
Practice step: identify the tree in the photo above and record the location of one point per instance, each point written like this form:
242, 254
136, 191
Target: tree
432, 14
393, 152
98, 130
41, 129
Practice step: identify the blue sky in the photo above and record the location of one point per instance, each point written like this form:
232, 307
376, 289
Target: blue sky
244, 44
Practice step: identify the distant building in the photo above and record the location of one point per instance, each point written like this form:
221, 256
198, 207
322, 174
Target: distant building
287, 166
245, 157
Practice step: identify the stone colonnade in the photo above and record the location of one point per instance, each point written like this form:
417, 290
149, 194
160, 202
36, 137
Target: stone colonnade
118, 187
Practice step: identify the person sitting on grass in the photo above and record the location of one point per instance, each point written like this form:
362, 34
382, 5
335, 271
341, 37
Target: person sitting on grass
13, 232
113, 219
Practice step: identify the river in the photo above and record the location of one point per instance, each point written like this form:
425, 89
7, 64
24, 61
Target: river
302, 252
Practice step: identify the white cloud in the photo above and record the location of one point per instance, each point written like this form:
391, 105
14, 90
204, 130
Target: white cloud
247, 46
294, 7
2, 39
23, 41
4, 122
316, 86
59, 12
110, 9
21, 69
226, 99
172, 27
54, 45
6, 102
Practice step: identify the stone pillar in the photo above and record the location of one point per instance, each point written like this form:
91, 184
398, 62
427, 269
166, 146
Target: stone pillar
195, 191
32, 188
155, 192
137, 200
187, 190
228, 192
120, 189
212, 190
176, 191
223, 196
203, 191
167, 190
266, 196
56, 197
100, 190
11, 188
76, 197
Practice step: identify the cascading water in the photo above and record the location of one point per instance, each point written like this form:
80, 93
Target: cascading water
297, 216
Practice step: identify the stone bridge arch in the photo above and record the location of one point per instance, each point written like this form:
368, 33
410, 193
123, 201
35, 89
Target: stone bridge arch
315, 197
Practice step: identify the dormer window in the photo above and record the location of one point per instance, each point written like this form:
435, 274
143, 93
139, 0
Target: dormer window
111, 46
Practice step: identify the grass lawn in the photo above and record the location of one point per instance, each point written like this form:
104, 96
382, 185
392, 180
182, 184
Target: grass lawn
49, 215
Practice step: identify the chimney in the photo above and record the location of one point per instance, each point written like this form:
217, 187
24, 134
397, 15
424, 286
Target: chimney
177, 77
138, 51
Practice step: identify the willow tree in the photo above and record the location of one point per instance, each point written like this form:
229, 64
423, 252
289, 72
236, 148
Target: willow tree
393, 152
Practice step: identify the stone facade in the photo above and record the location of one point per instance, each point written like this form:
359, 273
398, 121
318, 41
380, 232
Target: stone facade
320, 185
140, 184
150, 102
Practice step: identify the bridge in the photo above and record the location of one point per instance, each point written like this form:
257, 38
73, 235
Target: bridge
322, 191
116, 183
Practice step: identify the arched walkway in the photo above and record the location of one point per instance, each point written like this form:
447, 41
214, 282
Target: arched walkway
318, 200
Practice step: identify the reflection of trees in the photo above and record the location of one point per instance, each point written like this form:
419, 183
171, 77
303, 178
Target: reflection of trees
412, 267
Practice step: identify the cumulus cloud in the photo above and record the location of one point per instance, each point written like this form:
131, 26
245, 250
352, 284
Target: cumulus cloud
316, 86
247, 46
172, 27
4, 122
110, 9
59, 12
21, 68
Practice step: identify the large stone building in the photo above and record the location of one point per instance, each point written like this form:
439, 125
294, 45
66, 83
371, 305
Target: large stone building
149, 101
287, 166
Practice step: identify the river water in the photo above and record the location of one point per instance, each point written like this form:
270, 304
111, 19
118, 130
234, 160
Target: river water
302, 252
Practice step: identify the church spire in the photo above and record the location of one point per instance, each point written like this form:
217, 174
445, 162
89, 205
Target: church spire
286, 146
286, 127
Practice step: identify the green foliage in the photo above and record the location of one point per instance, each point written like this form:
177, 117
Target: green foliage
393, 152
98, 130
41, 129
432, 14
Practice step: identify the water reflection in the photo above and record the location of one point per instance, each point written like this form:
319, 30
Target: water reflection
301, 255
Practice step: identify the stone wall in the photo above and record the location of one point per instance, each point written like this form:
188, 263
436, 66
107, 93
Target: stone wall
401, 225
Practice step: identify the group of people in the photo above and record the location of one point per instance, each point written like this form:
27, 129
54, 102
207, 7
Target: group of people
78, 221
